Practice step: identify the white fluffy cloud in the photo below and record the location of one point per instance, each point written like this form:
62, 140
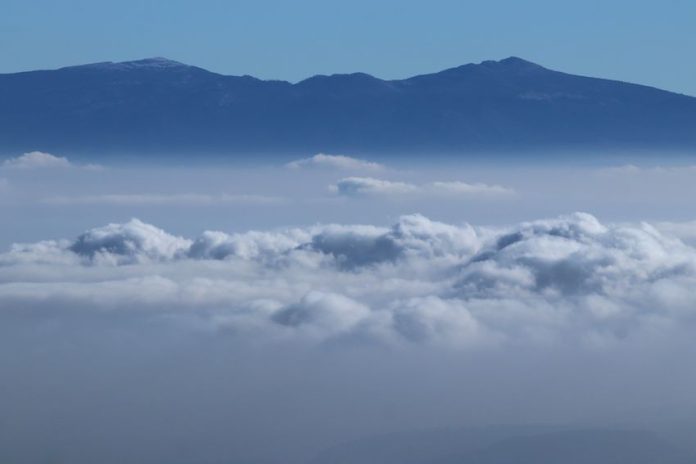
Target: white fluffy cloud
564, 280
43, 160
352, 186
131, 242
37, 159
322, 160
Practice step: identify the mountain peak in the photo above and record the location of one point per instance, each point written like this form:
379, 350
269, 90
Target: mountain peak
507, 66
155, 62
514, 63
349, 78
145, 63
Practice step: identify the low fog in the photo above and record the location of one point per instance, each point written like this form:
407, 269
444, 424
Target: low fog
344, 310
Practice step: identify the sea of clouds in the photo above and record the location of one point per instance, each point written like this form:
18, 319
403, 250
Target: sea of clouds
564, 280
318, 308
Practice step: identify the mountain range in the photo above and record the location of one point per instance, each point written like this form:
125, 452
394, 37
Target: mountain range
157, 105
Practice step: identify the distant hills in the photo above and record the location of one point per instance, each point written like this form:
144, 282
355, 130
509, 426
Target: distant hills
161, 106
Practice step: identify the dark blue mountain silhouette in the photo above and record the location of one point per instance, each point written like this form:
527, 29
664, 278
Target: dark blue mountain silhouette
158, 105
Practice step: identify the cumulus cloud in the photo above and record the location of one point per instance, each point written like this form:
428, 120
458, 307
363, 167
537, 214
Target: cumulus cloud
352, 186
413, 235
161, 199
42, 160
324, 313
566, 280
37, 159
322, 160
250, 245
131, 242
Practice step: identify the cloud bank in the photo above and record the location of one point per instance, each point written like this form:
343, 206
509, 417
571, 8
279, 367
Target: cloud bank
566, 280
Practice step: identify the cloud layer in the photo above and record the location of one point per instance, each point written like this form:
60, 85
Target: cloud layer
418, 281
353, 186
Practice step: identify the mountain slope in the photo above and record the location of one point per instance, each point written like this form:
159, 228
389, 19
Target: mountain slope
158, 105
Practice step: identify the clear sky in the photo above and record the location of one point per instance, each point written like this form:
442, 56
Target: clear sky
649, 42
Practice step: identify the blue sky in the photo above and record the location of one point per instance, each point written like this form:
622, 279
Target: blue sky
641, 41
